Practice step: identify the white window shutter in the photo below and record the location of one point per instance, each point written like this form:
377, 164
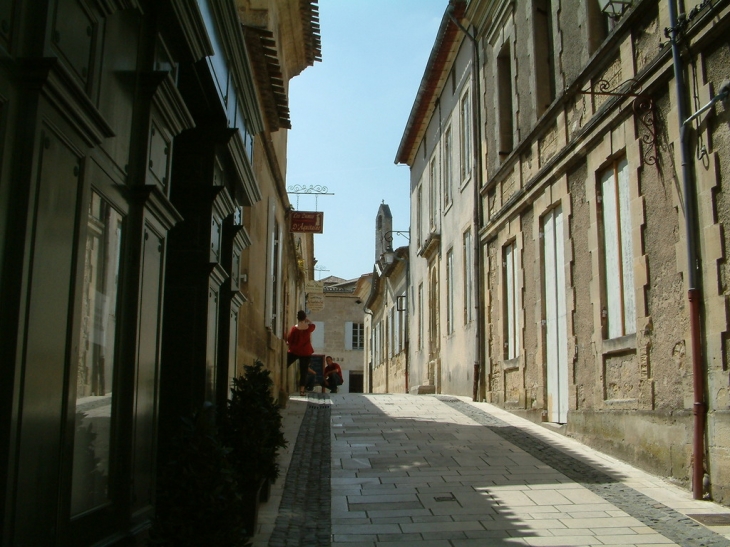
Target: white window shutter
348, 335
318, 336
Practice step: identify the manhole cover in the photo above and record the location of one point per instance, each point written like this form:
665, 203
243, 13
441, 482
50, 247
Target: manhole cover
445, 498
712, 520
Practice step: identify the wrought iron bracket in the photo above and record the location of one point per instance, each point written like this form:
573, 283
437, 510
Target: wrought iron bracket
313, 189
300, 189
388, 236
644, 109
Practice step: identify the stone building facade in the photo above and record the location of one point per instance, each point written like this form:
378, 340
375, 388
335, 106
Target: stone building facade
273, 270
386, 323
440, 148
600, 252
340, 329
584, 230
136, 142
386, 311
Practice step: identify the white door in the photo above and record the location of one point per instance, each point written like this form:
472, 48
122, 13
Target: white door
556, 340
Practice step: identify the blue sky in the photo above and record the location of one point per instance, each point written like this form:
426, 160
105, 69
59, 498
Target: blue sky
348, 114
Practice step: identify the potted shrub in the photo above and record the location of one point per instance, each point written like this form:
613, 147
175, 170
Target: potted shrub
253, 431
199, 499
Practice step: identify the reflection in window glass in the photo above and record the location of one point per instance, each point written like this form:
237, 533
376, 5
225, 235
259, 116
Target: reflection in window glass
95, 367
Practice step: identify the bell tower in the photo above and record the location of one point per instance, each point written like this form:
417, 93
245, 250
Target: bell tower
383, 229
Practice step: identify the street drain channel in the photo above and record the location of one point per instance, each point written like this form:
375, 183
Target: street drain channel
445, 498
722, 519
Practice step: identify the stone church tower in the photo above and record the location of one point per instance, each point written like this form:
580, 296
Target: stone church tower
383, 231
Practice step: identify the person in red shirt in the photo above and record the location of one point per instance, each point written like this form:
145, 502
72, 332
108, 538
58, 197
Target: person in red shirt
300, 347
332, 375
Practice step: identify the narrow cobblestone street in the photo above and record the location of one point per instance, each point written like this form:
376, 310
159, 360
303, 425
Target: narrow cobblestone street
441, 471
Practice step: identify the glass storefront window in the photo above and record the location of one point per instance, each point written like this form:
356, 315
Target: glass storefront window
95, 367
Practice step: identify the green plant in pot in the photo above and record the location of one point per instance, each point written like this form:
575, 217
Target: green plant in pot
199, 499
253, 428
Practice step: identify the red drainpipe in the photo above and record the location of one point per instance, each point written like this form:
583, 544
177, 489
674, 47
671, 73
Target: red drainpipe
694, 294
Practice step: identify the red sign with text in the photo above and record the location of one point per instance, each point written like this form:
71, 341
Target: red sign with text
306, 221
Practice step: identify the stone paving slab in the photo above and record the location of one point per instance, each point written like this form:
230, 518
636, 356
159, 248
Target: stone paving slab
442, 471
483, 480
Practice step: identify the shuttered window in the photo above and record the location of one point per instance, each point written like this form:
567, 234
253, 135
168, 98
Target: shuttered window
620, 305
511, 302
354, 335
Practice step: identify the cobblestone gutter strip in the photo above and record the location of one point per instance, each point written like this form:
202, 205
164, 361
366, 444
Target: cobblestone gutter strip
665, 520
304, 512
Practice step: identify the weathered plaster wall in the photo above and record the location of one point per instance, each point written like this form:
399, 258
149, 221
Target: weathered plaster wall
585, 365
647, 36
533, 377
657, 441
569, 30
390, 377
716, 62
665, 295
523, 64
493, 338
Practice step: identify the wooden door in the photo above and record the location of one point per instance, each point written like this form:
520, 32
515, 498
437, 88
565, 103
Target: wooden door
556, 342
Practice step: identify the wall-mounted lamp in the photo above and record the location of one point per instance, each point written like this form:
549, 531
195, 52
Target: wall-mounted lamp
614, 8
389, 257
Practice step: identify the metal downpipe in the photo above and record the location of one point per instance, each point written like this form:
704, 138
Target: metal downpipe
694, 293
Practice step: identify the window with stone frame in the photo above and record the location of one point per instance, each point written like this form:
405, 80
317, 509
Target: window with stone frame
450, 291
468, 267
465, 136
433, 195
511, 306
619, 309
447, 166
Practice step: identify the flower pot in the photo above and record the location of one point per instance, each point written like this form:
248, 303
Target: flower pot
251, 495
265, 491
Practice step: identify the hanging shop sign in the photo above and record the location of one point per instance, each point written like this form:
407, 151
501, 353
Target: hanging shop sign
311, 286
308, 222
315, 302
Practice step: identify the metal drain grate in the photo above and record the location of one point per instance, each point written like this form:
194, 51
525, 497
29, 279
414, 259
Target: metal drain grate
445, 498
712, 520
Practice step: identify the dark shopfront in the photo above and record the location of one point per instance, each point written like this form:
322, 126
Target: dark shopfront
94, 98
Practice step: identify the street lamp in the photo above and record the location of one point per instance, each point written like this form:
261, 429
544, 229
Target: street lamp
614, 8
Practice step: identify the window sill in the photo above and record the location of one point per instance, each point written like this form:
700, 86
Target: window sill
511, 364
465, 182
619, 345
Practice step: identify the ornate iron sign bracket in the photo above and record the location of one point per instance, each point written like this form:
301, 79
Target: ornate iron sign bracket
314, 189
644, 110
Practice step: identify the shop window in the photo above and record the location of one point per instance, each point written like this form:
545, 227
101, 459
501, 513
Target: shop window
97, 355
